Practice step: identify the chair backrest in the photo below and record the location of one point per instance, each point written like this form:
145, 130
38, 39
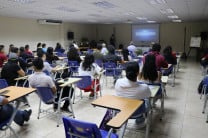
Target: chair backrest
3, 83
80, 129
74, 65
168, 71
45, 94
84, 82
111, 69
46, 72
99, 62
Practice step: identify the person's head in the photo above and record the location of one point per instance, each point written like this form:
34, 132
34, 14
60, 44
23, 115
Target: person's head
156, 47
42, 55
39, 45
38, 64
99, 47
103, 45
10, 47
149, 71
27, 47
111, 49
22, 49
167, 50
58, 46
132, 71
88, 60
43, 45
73, 52
15, 50
50, 50
2, 48
14, 53
131, 43
125, 54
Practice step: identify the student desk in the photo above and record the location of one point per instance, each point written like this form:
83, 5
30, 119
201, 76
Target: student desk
64, 83
14, 93
126, 107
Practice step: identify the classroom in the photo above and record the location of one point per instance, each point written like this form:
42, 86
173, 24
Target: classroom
103, 68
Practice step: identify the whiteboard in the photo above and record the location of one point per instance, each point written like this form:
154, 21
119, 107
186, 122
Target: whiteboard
195, 41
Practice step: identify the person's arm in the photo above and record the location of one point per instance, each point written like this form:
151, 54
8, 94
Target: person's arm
21, 72
3, 100
54, 89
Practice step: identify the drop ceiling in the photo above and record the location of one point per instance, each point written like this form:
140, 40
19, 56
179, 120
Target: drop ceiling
107, 11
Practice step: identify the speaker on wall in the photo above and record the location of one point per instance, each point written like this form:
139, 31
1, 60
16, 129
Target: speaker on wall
70, 35
204, 35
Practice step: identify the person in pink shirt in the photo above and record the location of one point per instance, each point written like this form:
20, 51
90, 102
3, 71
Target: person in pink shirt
27, 50
3, 57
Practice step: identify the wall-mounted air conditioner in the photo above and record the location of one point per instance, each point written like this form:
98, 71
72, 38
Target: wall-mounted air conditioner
49, 22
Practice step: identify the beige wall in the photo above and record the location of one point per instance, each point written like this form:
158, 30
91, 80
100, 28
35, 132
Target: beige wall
170, 33
27, 31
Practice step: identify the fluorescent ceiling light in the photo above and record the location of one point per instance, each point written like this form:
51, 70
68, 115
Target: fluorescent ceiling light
151, 21
177, 21
92, 21
158, 2
23, 1
129, 13
173, 17
104, 4
38, 13
141, 18
66, 9
166, 11
129, 21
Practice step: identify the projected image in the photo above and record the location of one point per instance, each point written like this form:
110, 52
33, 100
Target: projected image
145, 34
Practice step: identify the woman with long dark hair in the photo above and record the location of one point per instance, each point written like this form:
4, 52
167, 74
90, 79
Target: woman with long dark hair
73, 55
50, 57
89, 68
149, 72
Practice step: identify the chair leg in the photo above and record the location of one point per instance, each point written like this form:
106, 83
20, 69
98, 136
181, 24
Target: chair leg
205, 103
122, 129
39, 109
16, 136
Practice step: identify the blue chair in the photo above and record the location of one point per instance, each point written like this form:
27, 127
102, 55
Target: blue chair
84, 83
5, 125
74, 65
80, 129
99, 63
112, 70
46, 96
3, 83
46, 72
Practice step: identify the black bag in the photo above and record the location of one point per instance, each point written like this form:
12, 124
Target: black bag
200, 87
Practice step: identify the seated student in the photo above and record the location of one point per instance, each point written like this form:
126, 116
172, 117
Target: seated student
12, 70
27, 50
73, 55
24, 55
104, 50
3, 57
129, 87
59, 49
50, 57
39, 47
204, 59
149, 72
44, 48
125, 53
10, 48
97, 54
40, 79
6, 111
170, 57
160, 60
89, 68
15, 54
111, 55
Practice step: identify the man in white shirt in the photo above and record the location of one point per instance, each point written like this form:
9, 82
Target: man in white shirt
132, 48
129, 87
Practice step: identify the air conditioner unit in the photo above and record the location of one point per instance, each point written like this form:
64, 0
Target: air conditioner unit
50, 22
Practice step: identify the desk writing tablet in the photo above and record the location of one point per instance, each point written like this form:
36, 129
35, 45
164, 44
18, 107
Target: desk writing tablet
126, 106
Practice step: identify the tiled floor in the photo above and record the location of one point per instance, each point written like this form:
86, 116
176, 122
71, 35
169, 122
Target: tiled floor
182, 118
